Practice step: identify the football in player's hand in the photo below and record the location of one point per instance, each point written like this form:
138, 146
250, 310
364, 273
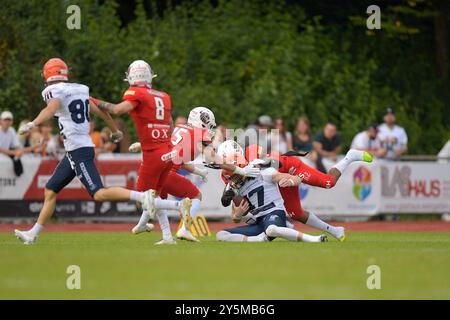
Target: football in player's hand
238, 199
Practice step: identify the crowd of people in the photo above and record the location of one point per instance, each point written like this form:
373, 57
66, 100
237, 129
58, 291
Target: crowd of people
386, 140
43, 142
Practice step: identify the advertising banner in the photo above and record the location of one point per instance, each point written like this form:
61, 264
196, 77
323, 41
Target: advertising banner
363, 190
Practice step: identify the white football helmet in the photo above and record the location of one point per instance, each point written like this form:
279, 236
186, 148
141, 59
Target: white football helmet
229, 148
202, 118
139, 74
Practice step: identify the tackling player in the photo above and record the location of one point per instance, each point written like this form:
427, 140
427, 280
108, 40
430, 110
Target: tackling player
69, 103
291, 163
150, 112
265, 204
189, 141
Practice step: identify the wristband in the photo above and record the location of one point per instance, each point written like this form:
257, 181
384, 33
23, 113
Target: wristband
239, 171
94, 100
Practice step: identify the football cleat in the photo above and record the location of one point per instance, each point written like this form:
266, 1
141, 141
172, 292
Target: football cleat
323, 238
367, 157
183, 234
149, 203
165, 241
340, 235
145, 228
25, 236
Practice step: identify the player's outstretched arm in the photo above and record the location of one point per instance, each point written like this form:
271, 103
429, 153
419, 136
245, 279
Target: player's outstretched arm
116, 134
202, 172
45, 115
211, 157
111, 108
286, 180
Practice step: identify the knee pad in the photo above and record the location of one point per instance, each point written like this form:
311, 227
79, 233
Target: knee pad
220, 236
271, 231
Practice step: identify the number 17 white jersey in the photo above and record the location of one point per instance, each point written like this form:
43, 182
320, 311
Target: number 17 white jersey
263, 194
73, 113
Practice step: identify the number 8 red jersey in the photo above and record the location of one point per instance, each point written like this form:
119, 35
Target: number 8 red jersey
151, 116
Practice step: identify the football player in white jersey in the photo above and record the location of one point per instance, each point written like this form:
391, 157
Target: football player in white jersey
69, 103
262, 199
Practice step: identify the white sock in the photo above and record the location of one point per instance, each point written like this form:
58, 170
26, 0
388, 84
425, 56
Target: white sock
282, 232
144, 218
259, 238
289, 224
36, 229
136, 196
167, 204
315, 222
352, 155
230, 237
194, 210
164, 224
309, 238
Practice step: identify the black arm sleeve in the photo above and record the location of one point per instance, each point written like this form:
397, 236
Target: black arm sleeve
227, 196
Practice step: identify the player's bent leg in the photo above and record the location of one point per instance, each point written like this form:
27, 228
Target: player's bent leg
314, 177
275, 227
143, 225
247, 233
181, 187
236, 237
61, 177
117, 194
185, 231
351, 156
274, 231
314, 221
165, 228
30, 236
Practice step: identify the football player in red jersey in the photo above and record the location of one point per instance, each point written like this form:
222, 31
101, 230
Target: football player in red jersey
150, 111
189, 141
291, 163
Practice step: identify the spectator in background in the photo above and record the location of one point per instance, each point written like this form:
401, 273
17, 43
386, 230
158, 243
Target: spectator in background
9, 140
108, 145
180, 120
96, 136
49, 143
265, 124
393, 138
281, 138
327, 144
220, 135
25, 139
368, 141
124, 144
302, 140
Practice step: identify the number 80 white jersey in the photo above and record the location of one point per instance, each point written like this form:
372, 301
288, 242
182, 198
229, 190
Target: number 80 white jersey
73, 113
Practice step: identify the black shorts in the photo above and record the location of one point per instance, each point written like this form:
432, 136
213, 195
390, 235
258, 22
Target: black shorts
80, 163
277, 217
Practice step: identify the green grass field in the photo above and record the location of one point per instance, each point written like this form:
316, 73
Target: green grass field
123, 266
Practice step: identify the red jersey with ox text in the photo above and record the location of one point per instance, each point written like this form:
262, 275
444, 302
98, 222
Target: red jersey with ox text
185, 139
151, 116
